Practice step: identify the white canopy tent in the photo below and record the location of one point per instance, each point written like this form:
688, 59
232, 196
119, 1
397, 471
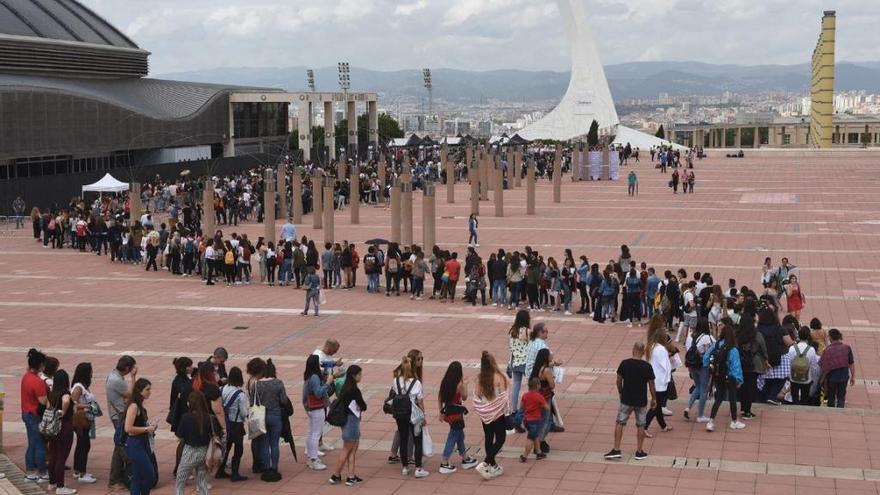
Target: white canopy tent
108, 183
641, 140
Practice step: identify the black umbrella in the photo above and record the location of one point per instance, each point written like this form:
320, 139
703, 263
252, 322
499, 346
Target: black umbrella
378, 241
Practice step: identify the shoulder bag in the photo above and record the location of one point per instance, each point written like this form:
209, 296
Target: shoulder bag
256, 419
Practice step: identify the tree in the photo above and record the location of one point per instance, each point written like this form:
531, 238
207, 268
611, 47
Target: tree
661, 133
593, 135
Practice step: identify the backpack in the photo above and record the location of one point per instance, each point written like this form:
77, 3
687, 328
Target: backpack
393, 265
370, 265
337, 415
246, 253
718, 369
800, 366
229, 258
50, 424
400, 404
189, 247
747, 356
692, 358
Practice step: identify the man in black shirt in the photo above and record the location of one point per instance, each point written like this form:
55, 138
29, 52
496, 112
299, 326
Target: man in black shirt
635, 377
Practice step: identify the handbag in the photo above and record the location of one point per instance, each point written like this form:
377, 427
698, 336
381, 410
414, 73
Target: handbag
50, 423
215, 448
80, 420
256, 420
671, 390
427, 443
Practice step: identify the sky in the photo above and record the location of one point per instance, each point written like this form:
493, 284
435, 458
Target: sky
185, 35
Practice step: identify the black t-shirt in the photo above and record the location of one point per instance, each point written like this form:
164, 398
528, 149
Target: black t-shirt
636, 374
190, 434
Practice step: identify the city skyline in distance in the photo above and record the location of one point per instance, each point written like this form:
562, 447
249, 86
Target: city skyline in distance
478, 35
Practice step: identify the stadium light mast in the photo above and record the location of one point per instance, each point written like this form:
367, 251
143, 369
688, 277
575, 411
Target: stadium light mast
310, 78
344, 76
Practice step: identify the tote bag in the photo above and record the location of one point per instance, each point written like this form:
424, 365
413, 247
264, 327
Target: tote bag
256, 419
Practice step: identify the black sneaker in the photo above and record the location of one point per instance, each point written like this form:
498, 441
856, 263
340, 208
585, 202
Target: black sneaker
357, 479
640, 454
748, 416
393, 459
335, 479
613, 454
350, 481
545, 447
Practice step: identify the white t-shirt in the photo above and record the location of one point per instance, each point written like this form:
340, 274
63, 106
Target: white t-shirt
688, 300
704, 342
414, 394
209, 252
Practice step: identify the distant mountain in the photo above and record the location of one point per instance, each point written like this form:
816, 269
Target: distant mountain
628, 80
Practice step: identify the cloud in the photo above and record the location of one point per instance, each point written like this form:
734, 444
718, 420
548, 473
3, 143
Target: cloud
478, 34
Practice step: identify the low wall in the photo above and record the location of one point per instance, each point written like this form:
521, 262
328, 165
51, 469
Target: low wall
795, 152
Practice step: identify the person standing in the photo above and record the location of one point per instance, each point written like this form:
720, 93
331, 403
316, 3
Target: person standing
18, 208
657, 354
83, 401
34, 392
313, 291
118, 387
838, 367
59, 399
518, 344
353, 401
725, 373
453, 270
235, 409
633, 183
491, 404
407, 383
534, 407
473, 223
194, 433
453, 392
138, 429
803, 361
315, 393
635, 379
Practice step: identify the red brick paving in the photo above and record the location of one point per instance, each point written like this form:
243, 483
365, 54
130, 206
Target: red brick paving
80, 307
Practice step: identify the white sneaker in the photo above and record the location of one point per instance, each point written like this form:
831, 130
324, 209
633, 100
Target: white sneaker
486, 471
710, 425
65, 491
494, 305
87, 478
325, 448
447, 469
737, 425
316, 465
667, 411
568, 313
421, 473
404, 472
496, 470
702, 419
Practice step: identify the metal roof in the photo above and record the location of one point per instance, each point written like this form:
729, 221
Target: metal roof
66, 20
155, 98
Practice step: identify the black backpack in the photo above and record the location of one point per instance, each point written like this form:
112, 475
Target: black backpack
718, 369
747, 356
337, 415
692, 358
400, 404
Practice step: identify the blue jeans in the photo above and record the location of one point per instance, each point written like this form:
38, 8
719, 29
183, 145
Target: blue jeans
312, 296
499, 291
515, 291
649, 304
566, 297
269, 442
607, 306
284, 273
472, 238
518, 373
546, 423
454, 439
701, 380
35, 455
373, 282
143, 476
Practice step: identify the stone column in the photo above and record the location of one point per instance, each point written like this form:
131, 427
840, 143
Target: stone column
498, 190
304, 127
518, 158
281, 187
606, 163
395, 210
380, 167
208, 225
737, 140
450, 175
135, 207
756, 143
373, 124
269, 205
511, 166
557, 175
484, 174
328, 209
317, 199
296, 197
329, 130
474, 176
530, 186
340, 169
229, 144
355, 194
406, 208
429, 218
351, 116
491, 169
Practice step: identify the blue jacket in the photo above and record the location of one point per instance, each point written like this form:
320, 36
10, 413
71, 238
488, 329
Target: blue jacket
734, 368
607, 288
652, 285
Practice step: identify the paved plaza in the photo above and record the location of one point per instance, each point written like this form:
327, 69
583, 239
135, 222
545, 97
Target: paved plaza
822, 213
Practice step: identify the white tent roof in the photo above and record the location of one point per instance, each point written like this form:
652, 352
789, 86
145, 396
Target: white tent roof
641, 140
108, 183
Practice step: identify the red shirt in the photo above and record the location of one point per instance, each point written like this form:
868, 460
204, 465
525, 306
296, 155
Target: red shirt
32, 388
453, 267
533, 404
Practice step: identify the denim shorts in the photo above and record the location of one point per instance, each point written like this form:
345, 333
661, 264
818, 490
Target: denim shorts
625, 411
533, 429
351, 432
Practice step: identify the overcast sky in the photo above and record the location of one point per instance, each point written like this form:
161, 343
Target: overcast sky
481, 34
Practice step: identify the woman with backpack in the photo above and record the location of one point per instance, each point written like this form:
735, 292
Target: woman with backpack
235, 410
315, 393
477, 281
698, 343
407, 393
83, 401
804, 367
753, 356
229, 263
270, 257
453, 393
725, 373
352, 400
60, 444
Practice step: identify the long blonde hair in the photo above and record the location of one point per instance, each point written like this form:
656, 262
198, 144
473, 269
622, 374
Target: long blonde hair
656, 335
486, 380
406, 369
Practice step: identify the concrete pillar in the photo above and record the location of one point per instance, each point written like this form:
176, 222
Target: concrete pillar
269, 204
340, 169
484, 173
317, 199
351, 116
737, 139
381, 172
281, 187
429, 218
530, 187
606, 163
355, 194
395, 211
491, 169
711, 138
135, 207
518, 158
373, 124
474, 176
296, 201
328, 209
557, 175
756, 143
498, 191
304, 127
229, 144
406, 209
449, 165
329, 130
208, 225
